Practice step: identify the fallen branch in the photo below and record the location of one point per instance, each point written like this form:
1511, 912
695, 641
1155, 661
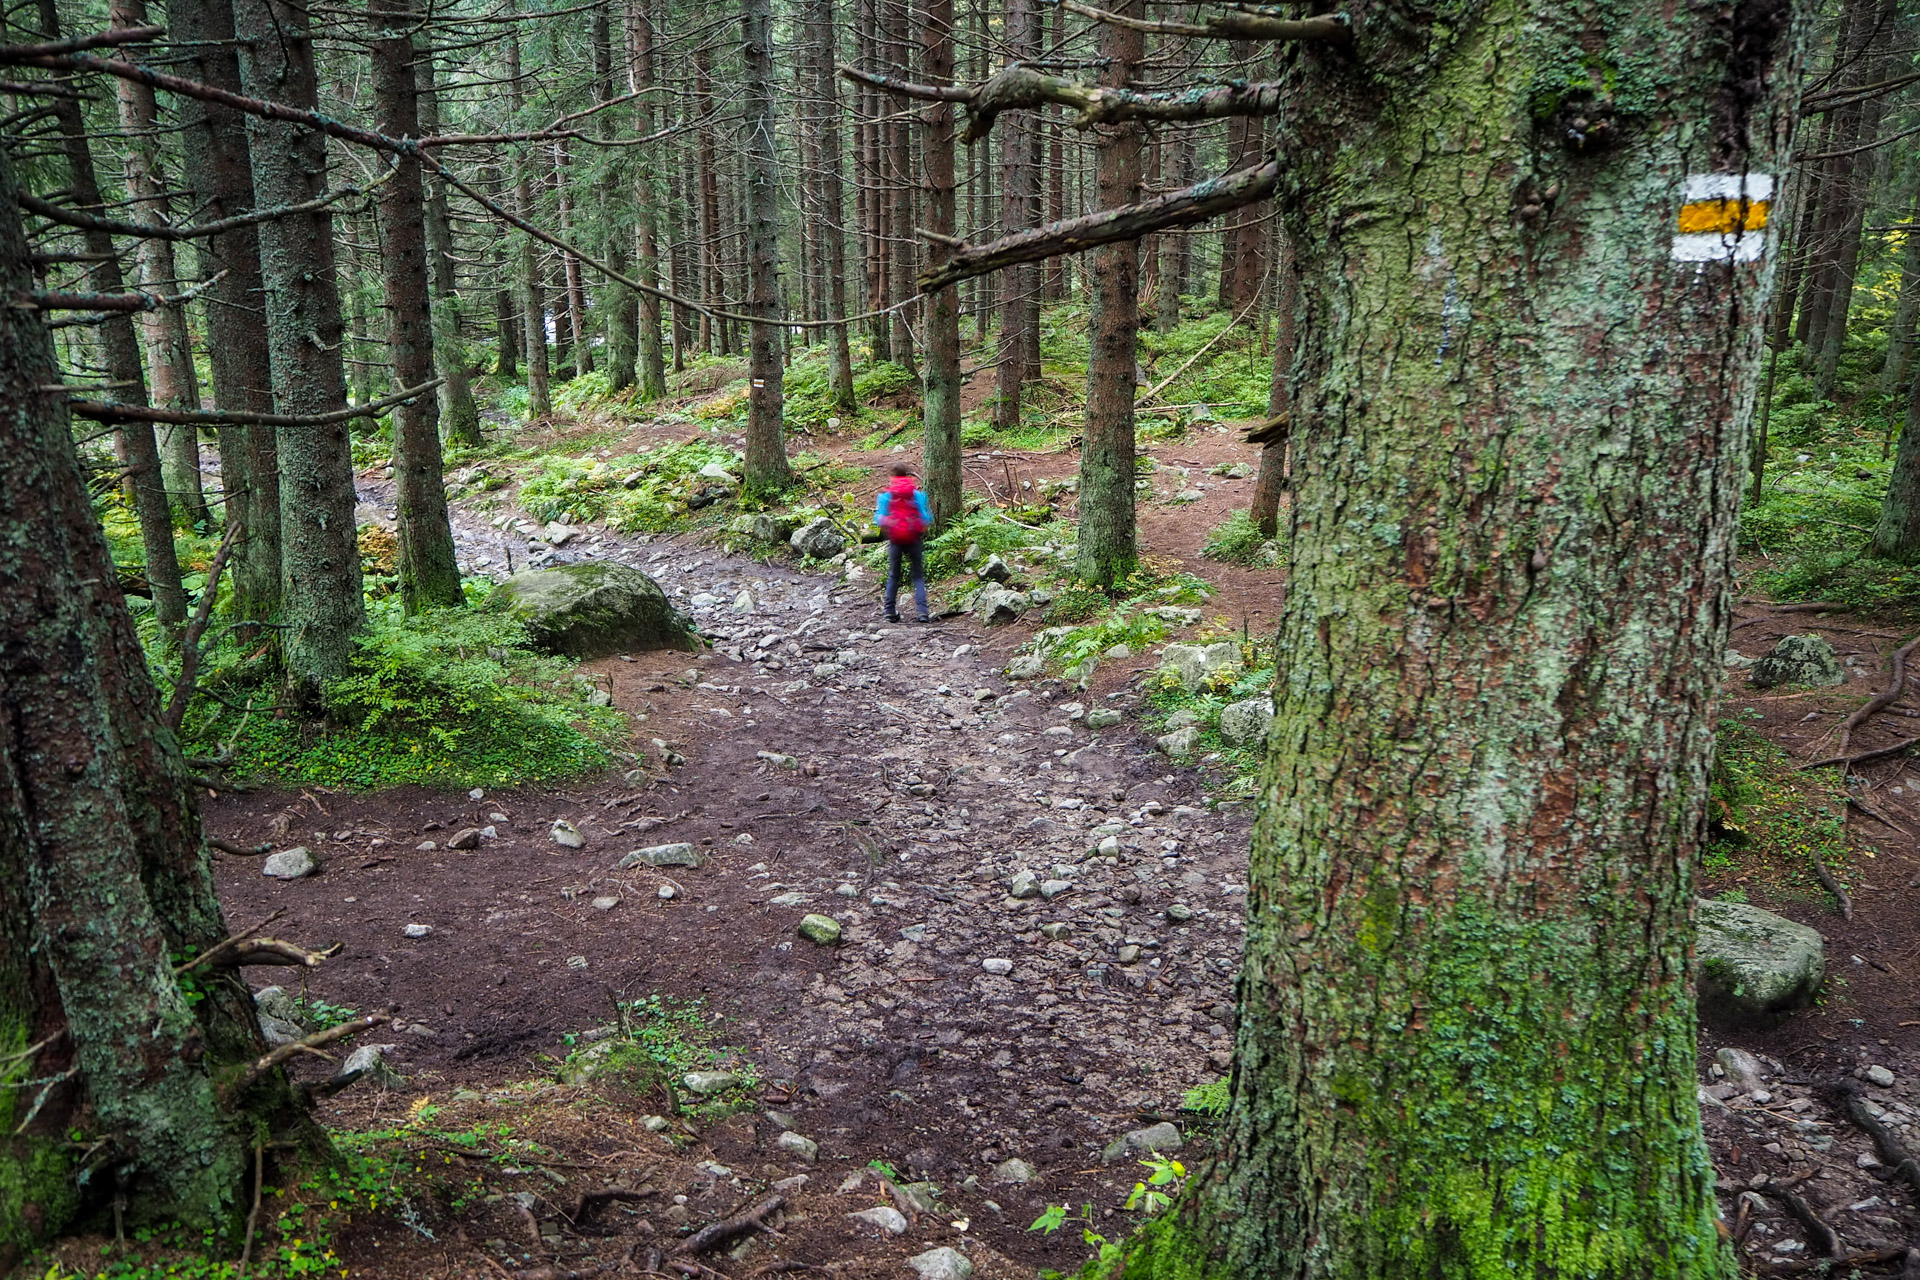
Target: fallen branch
1848, 1097
274, 951
1825, 1239
105, 411
1862, 756
1833, 887
76, 44
1179, 208
221, 947
1205, 347
176, 711
1885, 698
725, 1232
239, 850
273, 1058
1228, 26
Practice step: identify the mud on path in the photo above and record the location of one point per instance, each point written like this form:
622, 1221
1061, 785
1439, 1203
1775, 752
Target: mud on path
888, 776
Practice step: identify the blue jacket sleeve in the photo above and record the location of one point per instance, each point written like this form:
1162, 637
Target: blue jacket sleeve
880, 505
926, 512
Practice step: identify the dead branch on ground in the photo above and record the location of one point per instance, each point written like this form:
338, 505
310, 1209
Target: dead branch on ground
1896, 685
273, 1058
722, 1233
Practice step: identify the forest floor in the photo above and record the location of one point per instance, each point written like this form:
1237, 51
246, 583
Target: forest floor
962, 1057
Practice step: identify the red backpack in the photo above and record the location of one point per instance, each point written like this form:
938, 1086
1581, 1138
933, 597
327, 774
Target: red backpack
902, 523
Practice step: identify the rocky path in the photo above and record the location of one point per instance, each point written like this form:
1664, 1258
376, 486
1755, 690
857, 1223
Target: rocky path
1039, 922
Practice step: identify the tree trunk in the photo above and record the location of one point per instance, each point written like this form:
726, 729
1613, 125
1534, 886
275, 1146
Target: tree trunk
1272, 481
833, 243
1906, 312
1173, 277
901, 188
507, 317
533, 305
940, 399
712, 292
459, 415
617, 234
219, 167
138, 450
1016, 196
1467, 1045
651, 365
104, 880
766, 462
1896, 536
320, 560
579, 323
1108, 549
429, 576
168, 338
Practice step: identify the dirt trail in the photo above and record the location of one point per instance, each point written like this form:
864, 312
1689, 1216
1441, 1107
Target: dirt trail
888, 776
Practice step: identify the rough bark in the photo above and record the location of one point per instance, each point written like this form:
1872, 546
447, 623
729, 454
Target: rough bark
219, 167
901, 188
169, 340
652, 362
621, 306
712, 290
105, 877
940, 395
579, 324
138, 450
429, 576
1896, 535
1017, 185
459, 415
766, 461
1466, 1045
1108, 550
532, 297
1901, 334
1272, 480
832, 237
320, 562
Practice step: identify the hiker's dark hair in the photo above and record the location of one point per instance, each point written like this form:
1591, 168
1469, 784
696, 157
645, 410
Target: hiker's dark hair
902, 469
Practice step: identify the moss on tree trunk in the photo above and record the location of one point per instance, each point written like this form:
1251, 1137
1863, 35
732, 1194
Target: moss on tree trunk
1466, 1045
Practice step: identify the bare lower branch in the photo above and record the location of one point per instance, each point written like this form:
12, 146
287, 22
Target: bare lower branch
113, 303
176, 711
98, 40
105, 411
268, 1061
150, 231
1229, 26
1129, 222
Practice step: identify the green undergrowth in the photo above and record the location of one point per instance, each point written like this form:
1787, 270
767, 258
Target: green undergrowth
1768, 820
650, 491
1170, 706
448, 698
650, 1047
1238, 540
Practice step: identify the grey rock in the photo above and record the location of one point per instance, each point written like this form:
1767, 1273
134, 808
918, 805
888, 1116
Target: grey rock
1179, 912
468, 838
1738, 660
1027, 666
796, 1144
824, 930
1103, 718
679, 854
1180, 743
604, 903
818, 538
921, 1197
1194, 664
1245, 723
592, 609
791, 898
714, 471
996, 605
995, 570
566, 835
655, 1124
278, 1031
1742, 1068
1025, 884
418, 930
1014, 1170
887, 1218
1755, 966
1877, 1074
1163, 1138
1798, 660
370, 1062
709, 1082
943, 1263
588, 1063
1057, 930
1182, 718
289, 864
997, 966
276, 1002
1051, 889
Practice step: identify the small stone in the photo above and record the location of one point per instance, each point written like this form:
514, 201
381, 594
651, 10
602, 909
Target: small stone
369, 1061
795, 1144
1744, 1071
1128, 954
1056, 930
289, 864
743, 603
997, 605
915, 933
425, 846
680, 854
1179, 912
1025, 884
605, 904
995, 570
279, 1031
824, 930
1014, 1170
1162, 1138
1051, 889
997, 966
1754, 966
1193, 665
1071, 710
847, 890
476, 794
468, 838
566, 835
1877, 1074
887, 1218
709, 1082
943, 1263
1108, 846
1181, 743
418, 930
1027, 666
792, 898
1103, 718
655, 1124
667, 892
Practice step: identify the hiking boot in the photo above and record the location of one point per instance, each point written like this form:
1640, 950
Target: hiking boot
893, 617
923, 618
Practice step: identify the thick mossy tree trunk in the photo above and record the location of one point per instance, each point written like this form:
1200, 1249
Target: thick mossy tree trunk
766, 462
1896, 535
105, 882
940, 401
429, 576
1108, 549
1536, 279
319, 556
214, 143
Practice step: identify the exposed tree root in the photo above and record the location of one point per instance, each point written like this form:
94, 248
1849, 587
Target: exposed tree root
1862, 756
1885, 698
1825, 1239
1848, 1097
722, 1233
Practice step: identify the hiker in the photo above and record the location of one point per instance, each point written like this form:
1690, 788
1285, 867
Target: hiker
901, 512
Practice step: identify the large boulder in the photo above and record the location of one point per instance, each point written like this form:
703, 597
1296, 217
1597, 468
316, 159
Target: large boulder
592, 609
765, 526
1245, 724
1754, 966
1194, 664
997, 605
1798, 660
818, 538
